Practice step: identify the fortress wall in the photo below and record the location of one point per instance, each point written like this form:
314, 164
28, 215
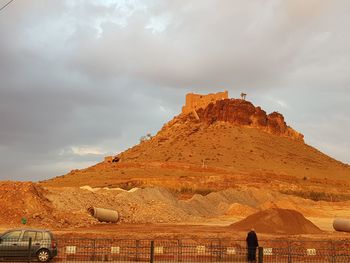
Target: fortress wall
197, 101
108, 159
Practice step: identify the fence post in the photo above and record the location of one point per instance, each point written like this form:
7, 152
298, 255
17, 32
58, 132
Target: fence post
152, 252
260, 254
220, 251
137, 250
289, 252
179, 251
94, 250
333, 252
29, 250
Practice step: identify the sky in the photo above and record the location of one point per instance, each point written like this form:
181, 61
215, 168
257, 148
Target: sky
83, 79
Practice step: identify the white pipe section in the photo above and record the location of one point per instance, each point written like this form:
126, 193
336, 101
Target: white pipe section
341, 224
104, 215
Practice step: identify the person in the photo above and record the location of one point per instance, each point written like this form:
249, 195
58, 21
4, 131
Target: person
252, 244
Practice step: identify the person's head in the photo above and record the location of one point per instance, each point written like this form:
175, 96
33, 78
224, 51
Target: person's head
252, 229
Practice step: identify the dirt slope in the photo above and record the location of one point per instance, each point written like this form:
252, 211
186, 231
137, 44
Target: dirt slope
23, 200
234, 148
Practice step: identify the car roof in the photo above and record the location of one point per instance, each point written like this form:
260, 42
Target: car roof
28, 229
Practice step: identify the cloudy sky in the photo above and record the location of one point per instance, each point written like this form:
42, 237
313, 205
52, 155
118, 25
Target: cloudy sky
81, 79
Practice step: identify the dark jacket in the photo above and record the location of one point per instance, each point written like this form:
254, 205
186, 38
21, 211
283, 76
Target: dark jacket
252, 239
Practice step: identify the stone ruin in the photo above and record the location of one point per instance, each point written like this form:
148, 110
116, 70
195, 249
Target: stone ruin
111, 159
195, 102
108, 159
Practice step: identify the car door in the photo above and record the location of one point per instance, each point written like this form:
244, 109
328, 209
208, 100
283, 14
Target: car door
9, 243
37, 242
23, 244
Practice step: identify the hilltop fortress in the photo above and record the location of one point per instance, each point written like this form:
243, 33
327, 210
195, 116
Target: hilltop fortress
195, 102
219, 107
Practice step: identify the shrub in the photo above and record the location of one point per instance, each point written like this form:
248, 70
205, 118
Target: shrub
146, 137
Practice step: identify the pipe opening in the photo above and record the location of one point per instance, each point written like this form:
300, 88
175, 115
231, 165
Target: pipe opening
91, 211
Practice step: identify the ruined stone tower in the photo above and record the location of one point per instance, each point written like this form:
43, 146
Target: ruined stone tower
198, 101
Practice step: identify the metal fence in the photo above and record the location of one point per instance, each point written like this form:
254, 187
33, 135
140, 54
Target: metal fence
177, 250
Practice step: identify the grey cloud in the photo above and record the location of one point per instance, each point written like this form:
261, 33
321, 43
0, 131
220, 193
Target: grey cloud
233, 46
103, 73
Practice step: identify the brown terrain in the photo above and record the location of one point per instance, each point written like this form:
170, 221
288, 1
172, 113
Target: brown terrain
219, 168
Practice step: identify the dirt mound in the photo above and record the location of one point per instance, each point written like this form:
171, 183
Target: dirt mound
23, 200
220, 202
277, 221
31, 201
155, 204
148, 205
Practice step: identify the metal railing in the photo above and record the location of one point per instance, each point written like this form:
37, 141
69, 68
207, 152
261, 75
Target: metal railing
175, 250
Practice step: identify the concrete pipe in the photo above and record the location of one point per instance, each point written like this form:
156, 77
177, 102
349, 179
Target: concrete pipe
341, 224
104, 215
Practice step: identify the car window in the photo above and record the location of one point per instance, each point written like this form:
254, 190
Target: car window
28, 234
13, 235
39, 236
47, 236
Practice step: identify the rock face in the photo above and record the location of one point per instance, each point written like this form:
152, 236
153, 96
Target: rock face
244, 113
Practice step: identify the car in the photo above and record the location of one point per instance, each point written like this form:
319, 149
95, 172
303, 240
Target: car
28, 243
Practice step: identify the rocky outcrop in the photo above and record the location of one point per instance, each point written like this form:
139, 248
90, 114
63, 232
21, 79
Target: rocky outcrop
243, 112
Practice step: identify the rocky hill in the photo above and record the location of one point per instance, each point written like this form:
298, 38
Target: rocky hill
218, 161
216, 143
